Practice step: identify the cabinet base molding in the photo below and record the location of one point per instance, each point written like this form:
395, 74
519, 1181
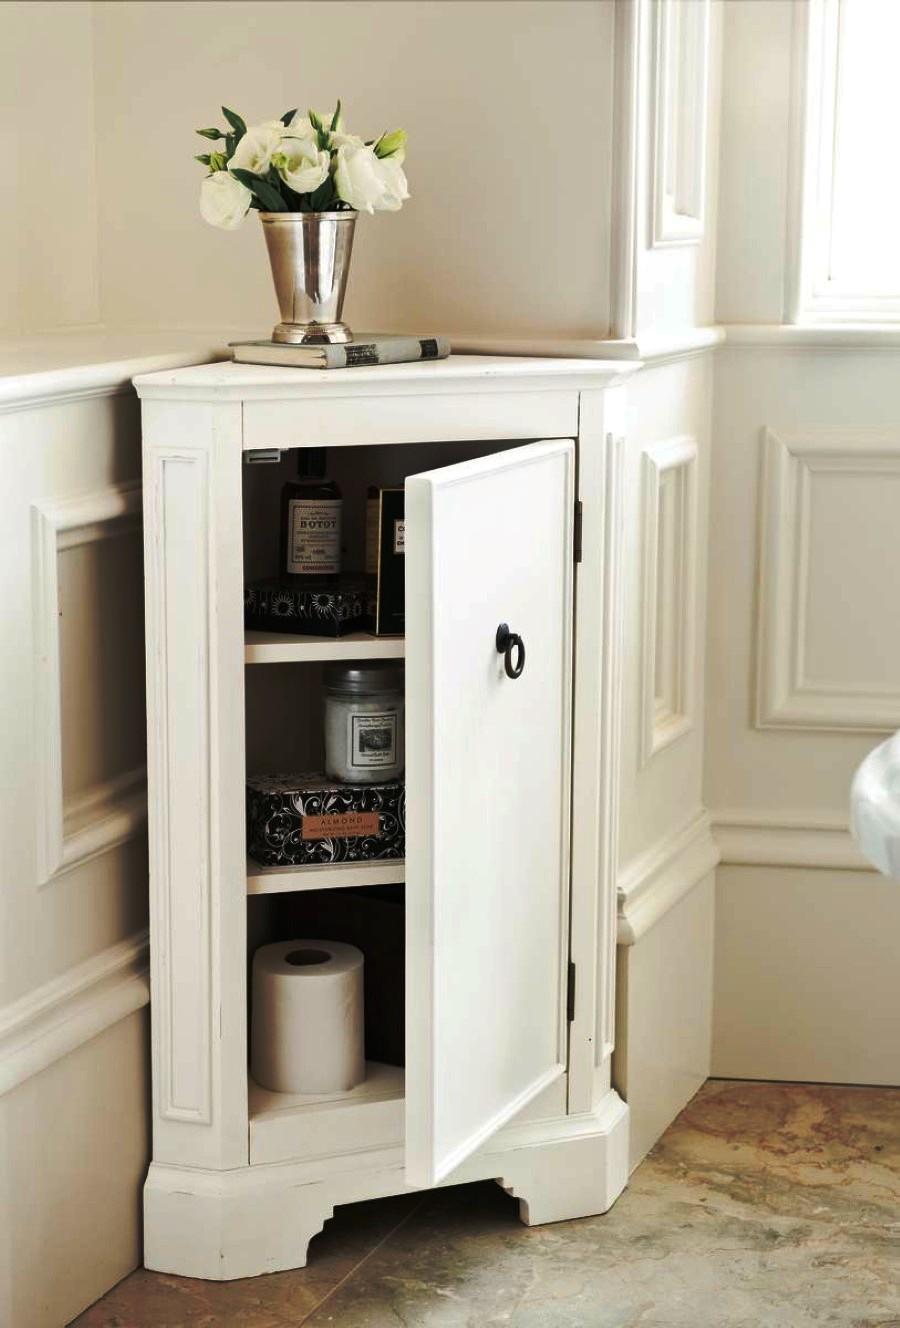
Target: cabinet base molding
220, 1225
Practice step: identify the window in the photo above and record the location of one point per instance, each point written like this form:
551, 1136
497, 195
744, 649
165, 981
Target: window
847, 102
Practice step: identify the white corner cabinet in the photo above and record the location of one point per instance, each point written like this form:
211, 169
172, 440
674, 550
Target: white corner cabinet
512, 469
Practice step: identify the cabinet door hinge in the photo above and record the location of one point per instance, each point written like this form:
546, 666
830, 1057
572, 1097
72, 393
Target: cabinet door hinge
576, 541
570, 994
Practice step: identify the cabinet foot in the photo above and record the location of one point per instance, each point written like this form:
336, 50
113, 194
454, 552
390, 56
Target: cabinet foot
574, 1175
223, 1225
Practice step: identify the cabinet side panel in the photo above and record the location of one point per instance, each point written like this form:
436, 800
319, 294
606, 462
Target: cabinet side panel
595, 782
195, 777
181, 852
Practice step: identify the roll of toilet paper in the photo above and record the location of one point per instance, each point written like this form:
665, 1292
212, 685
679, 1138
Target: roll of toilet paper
307, 1027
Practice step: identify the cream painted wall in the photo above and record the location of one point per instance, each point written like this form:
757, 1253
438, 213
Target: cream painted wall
48, 224
508, 225
753, 173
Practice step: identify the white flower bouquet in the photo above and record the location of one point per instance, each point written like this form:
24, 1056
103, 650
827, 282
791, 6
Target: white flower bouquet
300, 163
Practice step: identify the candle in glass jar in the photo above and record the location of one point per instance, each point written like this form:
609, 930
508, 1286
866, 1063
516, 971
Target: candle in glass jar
364, 713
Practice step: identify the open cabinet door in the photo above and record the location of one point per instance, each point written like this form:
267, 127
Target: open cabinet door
488, 542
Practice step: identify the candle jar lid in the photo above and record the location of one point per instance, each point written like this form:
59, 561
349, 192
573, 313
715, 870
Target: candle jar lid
365, 677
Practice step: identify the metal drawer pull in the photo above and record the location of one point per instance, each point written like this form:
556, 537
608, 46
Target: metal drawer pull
507, 642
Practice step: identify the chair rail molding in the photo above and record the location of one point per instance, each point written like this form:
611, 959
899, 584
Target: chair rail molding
73, 831
69, 1010
669, 561
780, 839
680, 121
658, 879
793, 465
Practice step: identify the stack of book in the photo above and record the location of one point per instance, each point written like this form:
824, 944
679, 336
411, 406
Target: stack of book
362, 350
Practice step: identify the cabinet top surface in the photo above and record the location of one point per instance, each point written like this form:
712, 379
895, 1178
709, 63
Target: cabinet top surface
229, 381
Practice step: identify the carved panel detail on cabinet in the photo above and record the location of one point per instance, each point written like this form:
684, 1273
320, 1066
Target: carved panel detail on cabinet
669, 593
84, 813
827, 648
681, 70
177, 616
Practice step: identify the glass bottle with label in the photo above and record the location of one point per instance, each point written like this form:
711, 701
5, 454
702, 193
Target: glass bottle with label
310, 520
364, 713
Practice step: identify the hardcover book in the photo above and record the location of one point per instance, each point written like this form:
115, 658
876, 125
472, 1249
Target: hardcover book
367, 349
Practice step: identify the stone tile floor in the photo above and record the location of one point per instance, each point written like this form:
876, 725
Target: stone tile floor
763, 1206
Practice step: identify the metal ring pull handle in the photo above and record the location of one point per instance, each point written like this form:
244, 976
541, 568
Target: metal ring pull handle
507, 642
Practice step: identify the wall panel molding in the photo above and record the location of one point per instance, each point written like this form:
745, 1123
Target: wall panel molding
669, 608
64, 1013
785, 696
72, 831
680, 82
777, 839
655, 881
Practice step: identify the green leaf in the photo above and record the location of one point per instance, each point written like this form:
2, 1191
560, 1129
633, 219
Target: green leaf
203, 158
323, 198
210, 133
231, 142
322, 140
288, 117
337, 115
235, 121
269, 197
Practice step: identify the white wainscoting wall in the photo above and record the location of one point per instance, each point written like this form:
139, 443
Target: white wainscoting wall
803, 666
667, 854
74, 989
663, 251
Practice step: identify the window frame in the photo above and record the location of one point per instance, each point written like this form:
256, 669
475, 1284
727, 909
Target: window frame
811, 297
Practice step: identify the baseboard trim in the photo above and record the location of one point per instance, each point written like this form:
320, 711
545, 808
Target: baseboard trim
69, 1010
658, 879
770, 840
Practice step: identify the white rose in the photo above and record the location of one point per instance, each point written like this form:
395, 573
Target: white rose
394, 187
301, 165
356, 178
367, 183
341, 140
224, 201
301, 127
255, 148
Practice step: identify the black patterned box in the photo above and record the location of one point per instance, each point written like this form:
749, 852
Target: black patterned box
297, 820
321, 609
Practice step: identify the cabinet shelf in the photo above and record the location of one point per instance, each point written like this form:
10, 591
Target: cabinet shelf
282, 648
322, 876
293, 1125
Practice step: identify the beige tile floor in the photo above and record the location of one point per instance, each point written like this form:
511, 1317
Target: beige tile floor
763, 1206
